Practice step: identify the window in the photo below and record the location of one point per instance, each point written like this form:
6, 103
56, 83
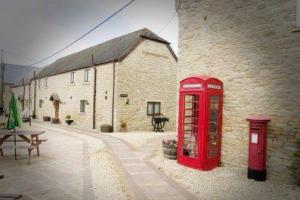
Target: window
298, 14
46, 82
153, 108
72, 78
82, 106
40, 103
39, 83
86, 75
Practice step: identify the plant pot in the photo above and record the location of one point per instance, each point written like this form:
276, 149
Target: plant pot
106, 128
170, 157
69, 121
26, 119
123, 129
46, 119
170, 152
55, 121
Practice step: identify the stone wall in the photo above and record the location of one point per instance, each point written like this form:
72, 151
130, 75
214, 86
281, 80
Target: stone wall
251, 47
104, 95
70, 95
147, 74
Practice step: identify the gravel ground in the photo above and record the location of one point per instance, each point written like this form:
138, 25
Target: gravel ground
139, 139
224, 182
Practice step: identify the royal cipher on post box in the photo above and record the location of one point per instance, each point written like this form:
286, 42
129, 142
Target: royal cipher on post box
257, 147
200, 122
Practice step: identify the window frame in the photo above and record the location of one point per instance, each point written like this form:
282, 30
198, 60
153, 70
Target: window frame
86, 75
41, 103
72, 77
153, 103
82, 106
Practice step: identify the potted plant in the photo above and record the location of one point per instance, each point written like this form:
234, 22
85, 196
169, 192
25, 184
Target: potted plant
106, 128
123, 126
170, 149
68, 120
46, 118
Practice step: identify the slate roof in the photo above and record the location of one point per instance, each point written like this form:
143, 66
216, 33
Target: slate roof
13, 73
28, 77
109, 51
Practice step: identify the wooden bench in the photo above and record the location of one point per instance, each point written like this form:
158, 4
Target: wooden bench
34, 145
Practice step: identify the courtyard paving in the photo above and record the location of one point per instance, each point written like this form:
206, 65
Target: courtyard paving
77, 164
70, 168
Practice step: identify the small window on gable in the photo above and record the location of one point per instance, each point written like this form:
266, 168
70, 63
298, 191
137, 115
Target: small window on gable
72, 77
86, 75
82, 106
39, 83
153, 108
298, 14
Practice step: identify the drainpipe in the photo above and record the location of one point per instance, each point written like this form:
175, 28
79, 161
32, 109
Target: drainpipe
34, 97
113, 95
95, 93
29, 103
23, 102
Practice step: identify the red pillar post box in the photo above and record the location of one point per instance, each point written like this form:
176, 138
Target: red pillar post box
257, 147
200, 122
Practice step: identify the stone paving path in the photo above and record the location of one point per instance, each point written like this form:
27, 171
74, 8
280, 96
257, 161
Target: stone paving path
145, 180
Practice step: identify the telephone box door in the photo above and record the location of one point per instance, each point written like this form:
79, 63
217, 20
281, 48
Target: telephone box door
189, 117
214, 129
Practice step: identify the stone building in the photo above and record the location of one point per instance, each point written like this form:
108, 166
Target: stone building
254, 48
125, 79
12, 75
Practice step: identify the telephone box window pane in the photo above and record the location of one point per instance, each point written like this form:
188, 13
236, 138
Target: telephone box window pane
190, 128
213, 126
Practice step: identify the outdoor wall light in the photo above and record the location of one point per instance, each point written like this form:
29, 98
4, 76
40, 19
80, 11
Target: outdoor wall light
87, 103
127, 102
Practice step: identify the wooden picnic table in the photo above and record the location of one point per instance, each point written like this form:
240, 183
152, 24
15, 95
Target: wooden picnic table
31, 138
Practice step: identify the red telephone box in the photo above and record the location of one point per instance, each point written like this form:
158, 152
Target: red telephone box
200, 122
257, 147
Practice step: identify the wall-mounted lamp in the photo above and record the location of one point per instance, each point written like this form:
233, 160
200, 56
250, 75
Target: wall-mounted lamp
127, 102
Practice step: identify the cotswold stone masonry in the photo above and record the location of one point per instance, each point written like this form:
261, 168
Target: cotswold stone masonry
146, 73
251, 47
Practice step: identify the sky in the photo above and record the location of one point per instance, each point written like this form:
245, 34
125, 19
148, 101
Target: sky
31, 30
